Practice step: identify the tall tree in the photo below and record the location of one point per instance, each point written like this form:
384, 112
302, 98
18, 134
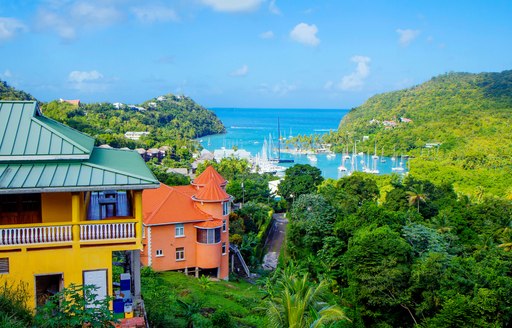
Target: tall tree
416, 195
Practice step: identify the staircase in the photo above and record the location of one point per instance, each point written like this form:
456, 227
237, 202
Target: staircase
238, 264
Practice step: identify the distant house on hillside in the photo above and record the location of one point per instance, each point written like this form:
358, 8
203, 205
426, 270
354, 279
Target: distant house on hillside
75, 102
135, 135
405, 120
390, 124
186, 228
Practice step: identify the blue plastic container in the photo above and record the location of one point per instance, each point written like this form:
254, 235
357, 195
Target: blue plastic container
118, 306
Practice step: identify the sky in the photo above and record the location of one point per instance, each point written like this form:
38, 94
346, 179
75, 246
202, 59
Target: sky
246, 53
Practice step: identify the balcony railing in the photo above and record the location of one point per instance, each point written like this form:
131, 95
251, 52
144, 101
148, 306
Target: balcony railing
89, 232
35, 235
59, 233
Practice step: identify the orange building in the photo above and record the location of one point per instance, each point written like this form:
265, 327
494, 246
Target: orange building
186, 228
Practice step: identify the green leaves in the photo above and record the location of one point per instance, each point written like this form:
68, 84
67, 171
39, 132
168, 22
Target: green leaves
75, 306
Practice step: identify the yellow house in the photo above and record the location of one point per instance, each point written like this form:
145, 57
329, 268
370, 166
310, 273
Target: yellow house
65, 205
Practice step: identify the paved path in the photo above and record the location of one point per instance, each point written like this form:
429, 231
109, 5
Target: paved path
274, 241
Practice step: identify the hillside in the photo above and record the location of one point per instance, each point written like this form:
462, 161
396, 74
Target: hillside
170, 120
469, 115
9, 93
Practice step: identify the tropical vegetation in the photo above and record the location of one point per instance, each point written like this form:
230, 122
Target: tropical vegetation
455, 126
403, 251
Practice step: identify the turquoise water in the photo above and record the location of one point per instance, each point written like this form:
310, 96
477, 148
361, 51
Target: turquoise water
248, 127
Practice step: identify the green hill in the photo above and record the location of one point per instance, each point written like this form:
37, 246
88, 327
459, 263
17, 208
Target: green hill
170, 120
469, 115
9, 93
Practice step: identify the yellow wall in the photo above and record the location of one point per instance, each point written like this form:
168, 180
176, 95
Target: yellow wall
25, 265
56, 207
71, 259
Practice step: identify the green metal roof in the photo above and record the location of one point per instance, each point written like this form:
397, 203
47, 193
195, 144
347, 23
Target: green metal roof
106, 169
27, 135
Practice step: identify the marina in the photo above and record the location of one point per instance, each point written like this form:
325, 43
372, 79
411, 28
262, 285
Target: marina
254, 131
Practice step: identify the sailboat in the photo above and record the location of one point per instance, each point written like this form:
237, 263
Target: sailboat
399, 166
382, 159
375, 157
279, 159
344, 157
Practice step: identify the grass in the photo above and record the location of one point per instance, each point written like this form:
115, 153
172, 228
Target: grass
240, 300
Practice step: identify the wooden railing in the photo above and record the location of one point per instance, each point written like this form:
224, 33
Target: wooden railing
58, 233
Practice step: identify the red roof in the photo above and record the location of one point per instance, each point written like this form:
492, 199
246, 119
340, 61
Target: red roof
210, 174
169, 205
215, 223
212, 192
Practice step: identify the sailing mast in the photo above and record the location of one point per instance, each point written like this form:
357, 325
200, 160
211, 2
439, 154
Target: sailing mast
278, 141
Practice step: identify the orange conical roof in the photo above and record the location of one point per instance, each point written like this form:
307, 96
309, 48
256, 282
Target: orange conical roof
169, 205
212, 192
210, 174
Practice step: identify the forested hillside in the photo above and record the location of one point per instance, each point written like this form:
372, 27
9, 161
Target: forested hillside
9, 93
170, 120
468, 115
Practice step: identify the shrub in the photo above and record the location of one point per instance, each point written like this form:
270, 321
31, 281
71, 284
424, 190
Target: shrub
13, 310
75, 306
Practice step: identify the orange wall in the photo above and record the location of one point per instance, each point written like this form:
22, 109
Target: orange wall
208, 255
214, 209
196, 254
163, 237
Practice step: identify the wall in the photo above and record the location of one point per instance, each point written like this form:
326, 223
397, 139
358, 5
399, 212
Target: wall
25, 265
56, 207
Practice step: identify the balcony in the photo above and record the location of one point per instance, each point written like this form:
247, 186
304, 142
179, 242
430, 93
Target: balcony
118, 230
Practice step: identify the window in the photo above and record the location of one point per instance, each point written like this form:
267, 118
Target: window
180, 253
159, 252
108, 203
223, 225
180, 230
223, 248
225, 208
20, 208
4, 265
208, 236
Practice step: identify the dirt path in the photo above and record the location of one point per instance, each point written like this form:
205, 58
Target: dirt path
274, 241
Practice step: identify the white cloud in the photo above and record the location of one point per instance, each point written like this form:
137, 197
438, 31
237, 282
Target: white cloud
355, 80
6, 74
328, 85
267, 35
233, 5
272, 7
407, 36
305, 34
239, 72
83, 76
9, 27
279, 89
69, 17
93, 14
156, 13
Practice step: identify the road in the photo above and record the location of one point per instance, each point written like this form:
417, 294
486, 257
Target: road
274, 241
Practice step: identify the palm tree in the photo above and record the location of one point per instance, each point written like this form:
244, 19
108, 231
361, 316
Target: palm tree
297, 303
416, 196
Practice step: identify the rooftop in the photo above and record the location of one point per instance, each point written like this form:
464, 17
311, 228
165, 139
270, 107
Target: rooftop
38, 154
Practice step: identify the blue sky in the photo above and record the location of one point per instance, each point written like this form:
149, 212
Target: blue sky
246, 53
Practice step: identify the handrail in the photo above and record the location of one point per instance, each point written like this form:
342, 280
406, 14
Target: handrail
124, 219
62, 232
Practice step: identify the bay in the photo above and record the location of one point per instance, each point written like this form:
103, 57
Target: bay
246, 128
